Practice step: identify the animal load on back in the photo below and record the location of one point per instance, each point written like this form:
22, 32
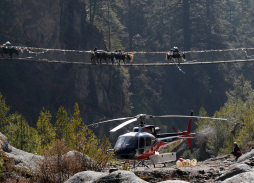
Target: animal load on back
174, 54
8, 50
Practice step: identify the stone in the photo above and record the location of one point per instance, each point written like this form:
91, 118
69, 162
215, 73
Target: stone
21, 158
234, 171
246, 156
85, 177
119, 177
242, 177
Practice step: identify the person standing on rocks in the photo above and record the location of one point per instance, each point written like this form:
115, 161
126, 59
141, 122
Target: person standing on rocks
237, 152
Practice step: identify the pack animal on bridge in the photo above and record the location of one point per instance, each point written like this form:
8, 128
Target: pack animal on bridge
113, 56
6, 48
119, 55
174, 54
99, 55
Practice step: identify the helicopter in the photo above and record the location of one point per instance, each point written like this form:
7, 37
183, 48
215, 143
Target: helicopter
145, 140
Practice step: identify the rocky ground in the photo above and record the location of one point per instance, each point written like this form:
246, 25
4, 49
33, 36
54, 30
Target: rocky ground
206, 171
222, 169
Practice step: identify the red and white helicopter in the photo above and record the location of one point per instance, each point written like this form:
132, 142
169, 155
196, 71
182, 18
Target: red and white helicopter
145, 140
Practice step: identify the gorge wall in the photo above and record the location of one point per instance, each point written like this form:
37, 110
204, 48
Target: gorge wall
28, 87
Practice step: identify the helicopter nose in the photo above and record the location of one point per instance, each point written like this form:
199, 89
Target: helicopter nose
125, 153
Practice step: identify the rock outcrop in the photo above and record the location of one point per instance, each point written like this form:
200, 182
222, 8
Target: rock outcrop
241, 168
242, 177
21, 158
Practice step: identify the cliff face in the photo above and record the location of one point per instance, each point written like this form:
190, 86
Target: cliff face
28, 87
56, 24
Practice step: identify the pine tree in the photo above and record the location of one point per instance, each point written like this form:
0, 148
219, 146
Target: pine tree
74, 128
45, 129
61, 125
242, 91
21, 135
202, 123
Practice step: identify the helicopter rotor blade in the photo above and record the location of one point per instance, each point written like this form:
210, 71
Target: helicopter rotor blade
123, 124
117, 119
182, 116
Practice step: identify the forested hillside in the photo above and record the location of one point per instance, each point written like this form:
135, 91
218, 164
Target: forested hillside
132, 25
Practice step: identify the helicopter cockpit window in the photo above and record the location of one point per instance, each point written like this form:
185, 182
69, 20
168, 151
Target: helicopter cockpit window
148, 141
141, 142
125, 141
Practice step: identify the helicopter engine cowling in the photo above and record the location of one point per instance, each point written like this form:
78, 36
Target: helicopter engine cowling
157, 129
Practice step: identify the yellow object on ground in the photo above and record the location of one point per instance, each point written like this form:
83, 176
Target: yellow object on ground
186, 163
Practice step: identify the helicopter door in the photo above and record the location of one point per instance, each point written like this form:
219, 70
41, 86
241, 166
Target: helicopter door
141, 145
148, 141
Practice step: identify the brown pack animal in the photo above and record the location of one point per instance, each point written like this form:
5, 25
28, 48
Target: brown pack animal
99, 55
8, 50
119, 56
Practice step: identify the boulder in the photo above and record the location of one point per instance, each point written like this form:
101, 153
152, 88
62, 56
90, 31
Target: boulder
242, 177
246, 156
234, 171
21, 158
120, 177
85, 177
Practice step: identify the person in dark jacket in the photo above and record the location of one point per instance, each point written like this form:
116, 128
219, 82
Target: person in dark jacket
237, 152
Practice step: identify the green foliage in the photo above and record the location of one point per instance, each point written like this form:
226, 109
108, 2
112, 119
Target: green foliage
46, 131
93, 147
187, 155
62, 120
21, 135
201, 123
124, 167
4, 109
242, 91
239, 127
74, 127
105, 15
